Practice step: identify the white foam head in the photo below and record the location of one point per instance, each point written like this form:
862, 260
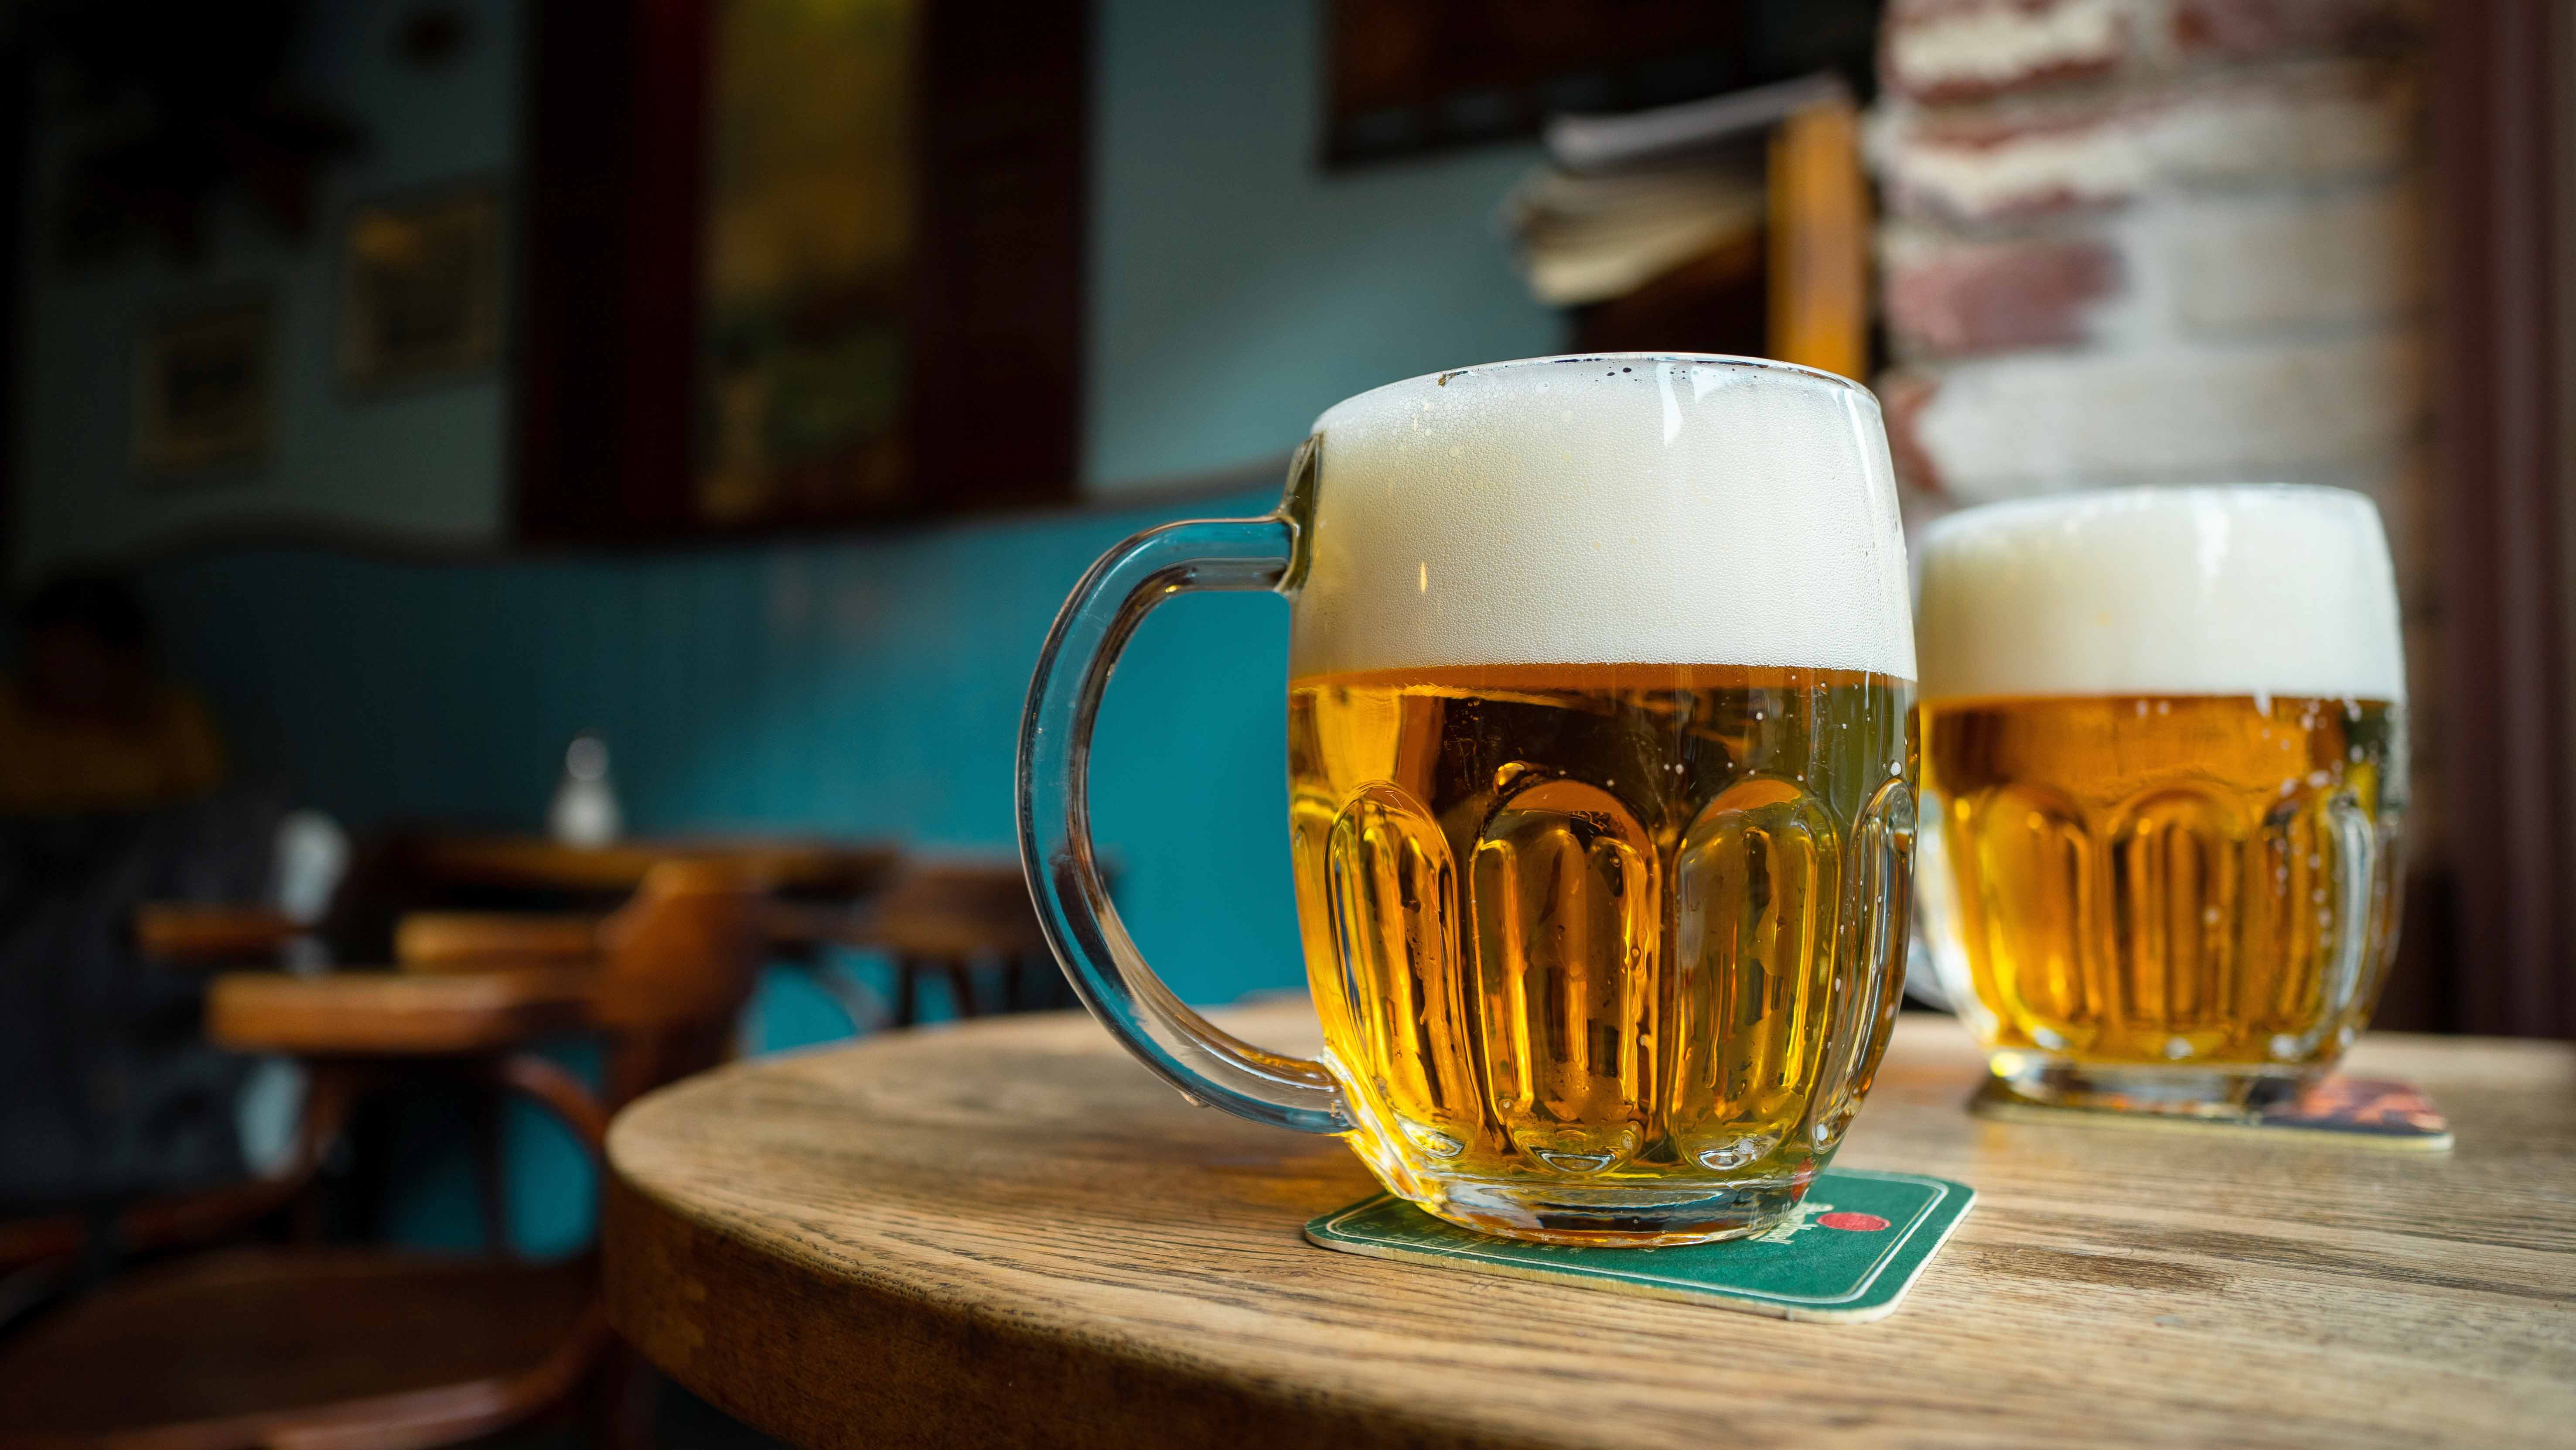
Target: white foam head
1622, 509
2249, 589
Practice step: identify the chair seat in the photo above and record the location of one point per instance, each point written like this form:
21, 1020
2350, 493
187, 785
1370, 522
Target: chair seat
313, 1348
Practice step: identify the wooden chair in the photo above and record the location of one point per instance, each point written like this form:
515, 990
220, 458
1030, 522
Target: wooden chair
324, 1348
947, 919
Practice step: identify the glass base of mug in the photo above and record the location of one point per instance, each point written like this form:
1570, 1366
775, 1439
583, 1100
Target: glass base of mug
1614, 1215
2205, 1091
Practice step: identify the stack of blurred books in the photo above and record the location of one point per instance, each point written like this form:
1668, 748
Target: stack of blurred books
1623, 200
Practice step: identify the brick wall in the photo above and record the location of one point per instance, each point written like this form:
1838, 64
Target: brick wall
2162, 241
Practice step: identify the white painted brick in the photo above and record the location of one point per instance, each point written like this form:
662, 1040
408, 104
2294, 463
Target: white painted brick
2304, 122
2289, 122
1974, 48
2293, 259
1982, 168
2044, 422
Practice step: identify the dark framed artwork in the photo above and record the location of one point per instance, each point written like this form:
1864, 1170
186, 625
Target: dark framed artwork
420, 288
204, 386
787, 264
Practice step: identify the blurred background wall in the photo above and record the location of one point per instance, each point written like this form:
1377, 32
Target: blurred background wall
863, 686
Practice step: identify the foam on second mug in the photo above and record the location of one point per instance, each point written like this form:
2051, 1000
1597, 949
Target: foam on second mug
1627, 509
2235, 590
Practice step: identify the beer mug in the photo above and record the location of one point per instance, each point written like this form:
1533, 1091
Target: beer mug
2164, 741
1600, 767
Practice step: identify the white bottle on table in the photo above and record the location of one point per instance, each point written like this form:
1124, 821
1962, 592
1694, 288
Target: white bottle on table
585, 810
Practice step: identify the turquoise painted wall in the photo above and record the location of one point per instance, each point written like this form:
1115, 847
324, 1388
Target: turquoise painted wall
868, 687
1237, 290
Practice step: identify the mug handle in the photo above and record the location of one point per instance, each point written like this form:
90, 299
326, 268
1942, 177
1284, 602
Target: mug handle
1207, 1064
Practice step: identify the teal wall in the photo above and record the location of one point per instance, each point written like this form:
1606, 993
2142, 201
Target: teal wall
1237, 291
868, 687
860, 685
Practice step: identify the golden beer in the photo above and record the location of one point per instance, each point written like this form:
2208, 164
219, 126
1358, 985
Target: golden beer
2202, 880
1603, 926
2164, 775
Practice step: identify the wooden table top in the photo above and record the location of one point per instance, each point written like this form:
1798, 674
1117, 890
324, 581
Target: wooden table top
536, 862
1009, 1234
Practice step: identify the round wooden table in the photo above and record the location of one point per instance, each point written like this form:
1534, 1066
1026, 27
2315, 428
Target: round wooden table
539, 864
1009, 1234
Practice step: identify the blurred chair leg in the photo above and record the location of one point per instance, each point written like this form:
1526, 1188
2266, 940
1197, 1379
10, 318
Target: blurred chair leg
907, 993
492, 1168
961, 987
623, 1395
857, 1000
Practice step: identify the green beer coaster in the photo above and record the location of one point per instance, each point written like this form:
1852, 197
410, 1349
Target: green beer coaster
1846, 1255
2358, 1111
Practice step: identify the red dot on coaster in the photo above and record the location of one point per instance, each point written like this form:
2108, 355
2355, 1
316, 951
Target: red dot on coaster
1859, 1223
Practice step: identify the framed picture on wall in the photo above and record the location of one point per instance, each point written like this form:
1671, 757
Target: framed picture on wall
794, 266
420, 288
204, 384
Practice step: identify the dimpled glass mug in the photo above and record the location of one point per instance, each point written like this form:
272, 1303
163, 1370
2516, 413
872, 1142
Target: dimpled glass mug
1601, 773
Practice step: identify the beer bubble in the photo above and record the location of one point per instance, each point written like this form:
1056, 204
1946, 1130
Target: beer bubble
1737, 1152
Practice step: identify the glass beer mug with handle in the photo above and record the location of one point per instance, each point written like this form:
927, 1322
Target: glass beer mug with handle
1601, 762
2164, 744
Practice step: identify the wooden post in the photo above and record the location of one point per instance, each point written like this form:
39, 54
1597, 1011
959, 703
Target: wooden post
1820, 226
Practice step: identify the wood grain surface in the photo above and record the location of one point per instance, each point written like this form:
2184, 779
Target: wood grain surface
453, 941
537, 863
1009, 1234
364, 1014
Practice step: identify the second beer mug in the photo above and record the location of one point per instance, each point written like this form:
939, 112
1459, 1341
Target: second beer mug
1600, 788
2164, 774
